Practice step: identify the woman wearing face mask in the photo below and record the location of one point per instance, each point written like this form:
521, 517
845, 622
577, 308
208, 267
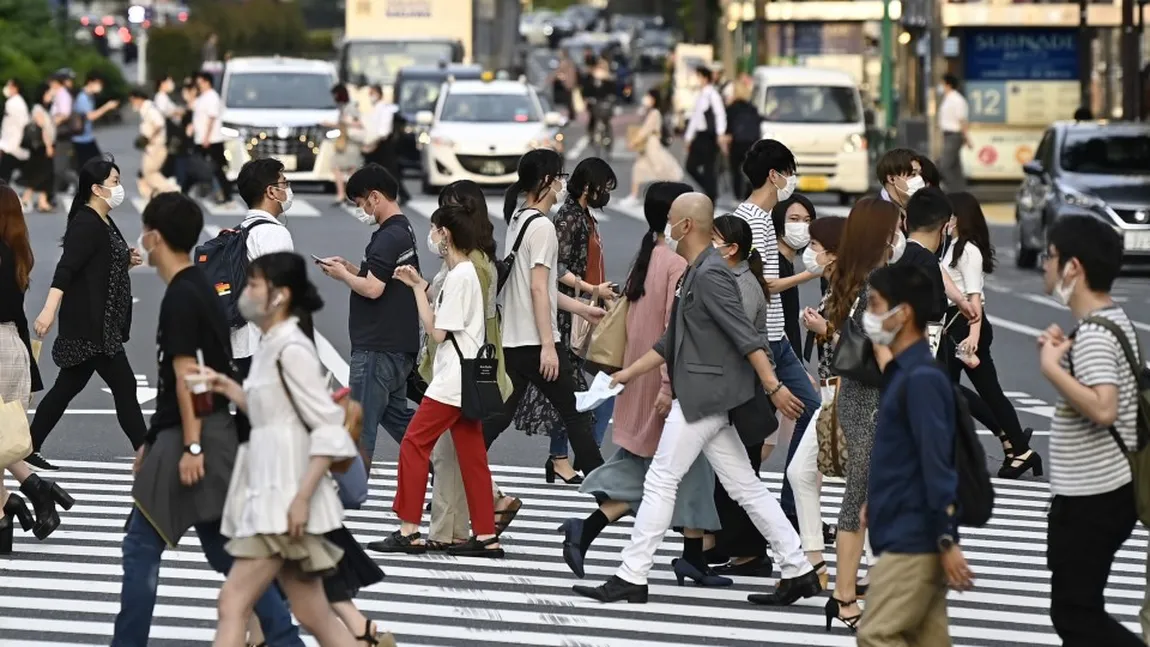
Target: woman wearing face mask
281, 499
581, 271
93, 294
37, 174
653, 162
868, 242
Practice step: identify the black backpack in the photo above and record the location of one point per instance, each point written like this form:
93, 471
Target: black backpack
746, 127
975, 492
503, 267
224, 260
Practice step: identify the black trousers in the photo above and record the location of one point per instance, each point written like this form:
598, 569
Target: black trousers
243, 424
740, 185
702, 163
215, 156
1084, 533
84, 151
116, 373
523, 369
387, 156
739, 536
984, 377
8, 164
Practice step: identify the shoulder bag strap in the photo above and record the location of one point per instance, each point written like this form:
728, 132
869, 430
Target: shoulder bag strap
1131, 359
287, 389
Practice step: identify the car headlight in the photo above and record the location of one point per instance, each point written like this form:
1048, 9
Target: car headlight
854, 143
442, 141
333, 133
229, 132
1077, 198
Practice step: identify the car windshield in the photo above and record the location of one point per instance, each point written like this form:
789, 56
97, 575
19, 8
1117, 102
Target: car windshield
489, 108
1097, 153
811, 104
279, 91
377, 63
416, 95
658, 39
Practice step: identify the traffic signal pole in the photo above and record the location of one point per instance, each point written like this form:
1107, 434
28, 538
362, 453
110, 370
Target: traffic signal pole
886, 82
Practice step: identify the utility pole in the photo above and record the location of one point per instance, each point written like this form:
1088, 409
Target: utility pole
1131, 65
886, 82
1085, 56
761, 54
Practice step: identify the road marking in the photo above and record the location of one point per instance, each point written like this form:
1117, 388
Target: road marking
1015, 326
577, 150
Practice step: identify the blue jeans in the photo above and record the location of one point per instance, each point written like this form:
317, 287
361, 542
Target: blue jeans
379, 383
143, 549
791, 372
602, 418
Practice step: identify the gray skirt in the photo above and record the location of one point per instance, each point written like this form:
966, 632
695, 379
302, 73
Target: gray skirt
621, 479
166, 503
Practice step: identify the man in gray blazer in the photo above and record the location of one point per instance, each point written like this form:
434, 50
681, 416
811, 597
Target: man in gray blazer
714, 354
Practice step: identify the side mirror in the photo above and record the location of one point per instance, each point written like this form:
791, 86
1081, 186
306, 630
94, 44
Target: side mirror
424, 117
1033, 167
553, 120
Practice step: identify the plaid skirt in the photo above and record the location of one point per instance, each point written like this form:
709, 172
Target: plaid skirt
15, 366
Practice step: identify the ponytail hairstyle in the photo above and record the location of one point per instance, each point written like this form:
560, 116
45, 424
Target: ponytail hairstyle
469, 195
538, 168
656, 207
289, 270
458, 220
95, 171
736, 231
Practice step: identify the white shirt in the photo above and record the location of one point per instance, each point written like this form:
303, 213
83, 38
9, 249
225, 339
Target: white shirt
152, 123
16, 119
206, 111
458, 310
380, 121
165, 104
708, 99
967, 272
62, 103
953, 112
540, 248
265, 239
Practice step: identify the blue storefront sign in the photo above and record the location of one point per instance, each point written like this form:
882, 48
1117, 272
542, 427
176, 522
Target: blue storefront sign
1037, 54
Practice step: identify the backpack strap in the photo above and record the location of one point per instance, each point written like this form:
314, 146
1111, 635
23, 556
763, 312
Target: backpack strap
1132, 358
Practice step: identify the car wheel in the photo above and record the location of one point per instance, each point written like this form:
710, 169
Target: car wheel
1024, 257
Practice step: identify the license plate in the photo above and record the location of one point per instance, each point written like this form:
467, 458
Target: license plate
1137, 241
289, 161
492, 168
813, 183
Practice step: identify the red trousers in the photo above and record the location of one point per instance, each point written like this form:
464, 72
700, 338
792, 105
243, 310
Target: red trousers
431, 421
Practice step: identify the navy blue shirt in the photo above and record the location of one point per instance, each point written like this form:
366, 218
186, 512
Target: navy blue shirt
913, 490
390, 323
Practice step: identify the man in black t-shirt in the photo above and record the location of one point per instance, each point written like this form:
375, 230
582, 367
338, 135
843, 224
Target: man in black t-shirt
201, 449
927, 212
383, 322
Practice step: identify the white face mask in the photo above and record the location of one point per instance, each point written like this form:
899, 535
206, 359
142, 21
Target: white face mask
145, 253
789, 188
873, 326
254, 311
913, 184
117, 197
797, 234
437, 247
285, 205
670, 239
811, 262
561, 193
897, 248
363, 216
1063, 290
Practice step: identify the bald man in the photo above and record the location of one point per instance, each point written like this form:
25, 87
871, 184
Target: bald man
713, 353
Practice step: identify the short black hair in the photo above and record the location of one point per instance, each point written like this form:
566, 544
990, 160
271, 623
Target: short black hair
906, 285
93, 77
929, 172
950, 80
17, 84
139, 93
705, 72
895, 162
593, 176
1094, 243
178, 219
1083, 114
928, 210
767, 155
372, 177
255, 177
206, 76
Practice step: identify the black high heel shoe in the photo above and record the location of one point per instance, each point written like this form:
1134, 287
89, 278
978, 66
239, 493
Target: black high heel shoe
549, 473
45, 495
703, 577
1016, 466
832, 611
14, 508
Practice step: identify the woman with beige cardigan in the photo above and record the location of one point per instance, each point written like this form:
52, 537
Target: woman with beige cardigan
653, 163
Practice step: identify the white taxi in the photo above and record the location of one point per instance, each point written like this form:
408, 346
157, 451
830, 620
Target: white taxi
480, 129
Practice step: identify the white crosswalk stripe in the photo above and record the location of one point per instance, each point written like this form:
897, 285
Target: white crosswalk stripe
65, 590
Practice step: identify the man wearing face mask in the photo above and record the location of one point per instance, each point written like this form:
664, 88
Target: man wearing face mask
928, 213
899, 179
268, 194
383, 322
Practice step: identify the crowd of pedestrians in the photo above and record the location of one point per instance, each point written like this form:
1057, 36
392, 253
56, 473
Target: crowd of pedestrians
712, 363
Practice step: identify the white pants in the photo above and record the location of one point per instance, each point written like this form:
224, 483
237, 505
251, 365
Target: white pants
680, 445
806, 483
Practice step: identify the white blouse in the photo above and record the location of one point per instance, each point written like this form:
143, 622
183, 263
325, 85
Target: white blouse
270, 467
967, 273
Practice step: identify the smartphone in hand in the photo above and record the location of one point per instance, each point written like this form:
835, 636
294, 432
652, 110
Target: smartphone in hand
318, 260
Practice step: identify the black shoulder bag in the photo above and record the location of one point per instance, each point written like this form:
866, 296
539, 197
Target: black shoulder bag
853, 357
479, 382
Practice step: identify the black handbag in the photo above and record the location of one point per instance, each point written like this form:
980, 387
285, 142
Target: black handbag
854, 355
480, 395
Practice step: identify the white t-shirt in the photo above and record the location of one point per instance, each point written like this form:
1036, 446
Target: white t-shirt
1084, 459
262, 240
967, 273
206, 111
540, 247
16, 119
952, 112
458, 310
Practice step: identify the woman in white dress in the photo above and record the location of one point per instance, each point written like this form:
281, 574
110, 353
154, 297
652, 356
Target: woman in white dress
654, 162
282, 500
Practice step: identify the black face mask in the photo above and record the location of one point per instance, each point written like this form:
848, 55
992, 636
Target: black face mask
599, 200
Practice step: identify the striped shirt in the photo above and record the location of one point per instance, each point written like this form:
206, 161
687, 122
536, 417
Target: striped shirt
763, 238
1084, 459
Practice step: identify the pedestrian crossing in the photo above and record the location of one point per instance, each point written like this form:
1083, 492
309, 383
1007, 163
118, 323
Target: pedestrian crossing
65, 590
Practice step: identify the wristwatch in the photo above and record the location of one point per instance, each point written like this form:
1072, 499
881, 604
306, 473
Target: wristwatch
194, 449
945, 543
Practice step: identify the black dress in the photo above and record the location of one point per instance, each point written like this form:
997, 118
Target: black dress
355, 571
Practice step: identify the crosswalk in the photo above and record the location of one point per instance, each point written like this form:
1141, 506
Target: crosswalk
65, 590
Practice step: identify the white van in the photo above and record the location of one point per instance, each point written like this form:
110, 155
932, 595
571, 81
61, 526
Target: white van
818, 114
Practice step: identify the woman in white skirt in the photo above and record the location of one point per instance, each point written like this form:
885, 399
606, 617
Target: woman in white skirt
282, 500
654, 162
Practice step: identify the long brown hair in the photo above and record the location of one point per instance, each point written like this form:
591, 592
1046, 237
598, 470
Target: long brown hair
865, 246
14, 234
